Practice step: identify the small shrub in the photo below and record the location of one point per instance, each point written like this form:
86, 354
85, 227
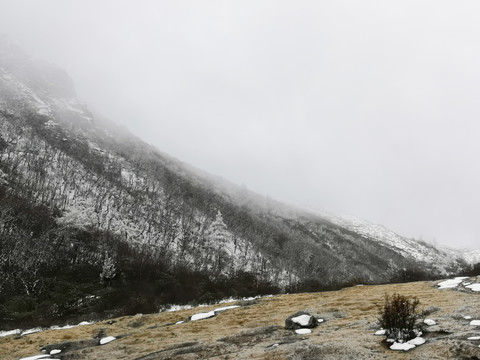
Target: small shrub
398, 317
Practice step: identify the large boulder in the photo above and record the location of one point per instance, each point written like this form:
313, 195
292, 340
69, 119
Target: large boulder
300, 320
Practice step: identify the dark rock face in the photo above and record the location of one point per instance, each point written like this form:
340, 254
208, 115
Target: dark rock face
299, 320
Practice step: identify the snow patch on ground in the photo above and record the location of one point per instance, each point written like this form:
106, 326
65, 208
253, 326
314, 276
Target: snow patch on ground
38, 329
429, 322
55, 327
107, 339
451, 283
55, 351
31, 331
417, 341
226, 308
402, 347
474, 287
475, 323
302, 320
10, 332
35, 357
83, 323
303, 331
178, 308
474, 338
380, 332
202, 316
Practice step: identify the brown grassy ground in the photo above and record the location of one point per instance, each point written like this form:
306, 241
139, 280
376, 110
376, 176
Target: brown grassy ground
254, 331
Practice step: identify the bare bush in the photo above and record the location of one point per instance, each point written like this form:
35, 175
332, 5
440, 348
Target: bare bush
398, 317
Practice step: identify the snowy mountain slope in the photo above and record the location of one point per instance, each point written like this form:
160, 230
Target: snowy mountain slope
419, 251
91, 177
443, 257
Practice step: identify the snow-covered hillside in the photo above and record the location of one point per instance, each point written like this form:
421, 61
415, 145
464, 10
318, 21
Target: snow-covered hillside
444, 260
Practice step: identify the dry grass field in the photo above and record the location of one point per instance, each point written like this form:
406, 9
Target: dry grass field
256, 331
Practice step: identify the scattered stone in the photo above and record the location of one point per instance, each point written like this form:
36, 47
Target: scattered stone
429, 322
430, 310
417, 341
136, 323
303, 331
299, 320
402, 347
380, 332
247, 302
107, 339
100, 333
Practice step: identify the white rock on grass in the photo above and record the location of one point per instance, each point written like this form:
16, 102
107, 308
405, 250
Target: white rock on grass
417, 341
202, 316
55, 351
401, 347
35, 357
302, 320
429, 322
475, 322
107, 339
474, 287
380, 332
474, 338
303, 331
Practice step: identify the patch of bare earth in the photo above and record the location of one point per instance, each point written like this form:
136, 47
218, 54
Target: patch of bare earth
257, 331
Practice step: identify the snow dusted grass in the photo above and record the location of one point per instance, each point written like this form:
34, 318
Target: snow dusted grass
350, 322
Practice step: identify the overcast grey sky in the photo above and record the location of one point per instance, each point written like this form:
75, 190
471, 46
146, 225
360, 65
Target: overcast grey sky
369, 108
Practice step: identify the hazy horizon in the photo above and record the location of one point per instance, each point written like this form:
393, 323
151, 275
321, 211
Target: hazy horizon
363, 108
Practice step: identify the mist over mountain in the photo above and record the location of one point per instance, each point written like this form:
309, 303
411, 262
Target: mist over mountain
93, 220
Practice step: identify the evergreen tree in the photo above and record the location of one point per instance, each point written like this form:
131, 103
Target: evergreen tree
109, 270
217, 238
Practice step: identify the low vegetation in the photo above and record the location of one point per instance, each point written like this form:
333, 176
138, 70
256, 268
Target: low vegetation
398, 317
